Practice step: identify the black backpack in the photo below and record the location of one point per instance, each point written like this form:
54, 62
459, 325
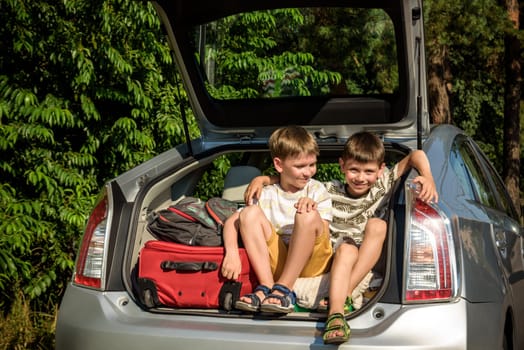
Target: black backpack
192, 221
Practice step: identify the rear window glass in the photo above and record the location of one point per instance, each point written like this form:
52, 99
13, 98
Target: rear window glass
470, 171
298, 52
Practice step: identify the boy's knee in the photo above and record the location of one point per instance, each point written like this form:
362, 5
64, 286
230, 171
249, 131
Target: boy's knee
346, 250
250, 215
249, 212
310, 219
376, 228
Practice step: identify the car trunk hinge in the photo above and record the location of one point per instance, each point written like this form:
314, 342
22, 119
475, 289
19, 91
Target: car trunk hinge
419, 98
416, 14
186, 130
184, 118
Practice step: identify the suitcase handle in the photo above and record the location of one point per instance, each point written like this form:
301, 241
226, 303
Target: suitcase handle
188, 266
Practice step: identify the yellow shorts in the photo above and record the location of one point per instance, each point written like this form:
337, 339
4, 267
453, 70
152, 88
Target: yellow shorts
319, 262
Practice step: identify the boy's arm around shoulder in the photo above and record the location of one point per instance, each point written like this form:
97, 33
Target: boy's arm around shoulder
417, 159
254, 189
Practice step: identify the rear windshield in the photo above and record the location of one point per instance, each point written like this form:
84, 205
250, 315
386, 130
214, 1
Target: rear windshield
333, 52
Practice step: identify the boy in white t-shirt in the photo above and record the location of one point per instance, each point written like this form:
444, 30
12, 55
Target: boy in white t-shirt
283, 238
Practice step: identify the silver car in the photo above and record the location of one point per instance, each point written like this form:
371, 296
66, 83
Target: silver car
451, 275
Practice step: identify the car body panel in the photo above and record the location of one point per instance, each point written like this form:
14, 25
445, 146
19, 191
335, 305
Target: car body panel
112, 320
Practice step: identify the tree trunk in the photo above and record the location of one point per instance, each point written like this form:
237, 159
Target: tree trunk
511, 142
439, 86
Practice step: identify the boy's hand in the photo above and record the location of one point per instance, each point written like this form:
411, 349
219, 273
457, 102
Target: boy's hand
231, 265
305, 205
428, 189
254, 189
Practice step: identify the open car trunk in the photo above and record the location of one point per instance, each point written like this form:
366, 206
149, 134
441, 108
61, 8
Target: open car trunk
188, 180
334, 67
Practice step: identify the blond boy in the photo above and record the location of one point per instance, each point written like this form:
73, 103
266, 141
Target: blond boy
282, 238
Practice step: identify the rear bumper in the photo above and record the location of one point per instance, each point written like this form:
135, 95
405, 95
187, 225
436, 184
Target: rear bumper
94, 320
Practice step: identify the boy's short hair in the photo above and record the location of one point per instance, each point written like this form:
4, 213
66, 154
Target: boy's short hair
291, 141
364, 147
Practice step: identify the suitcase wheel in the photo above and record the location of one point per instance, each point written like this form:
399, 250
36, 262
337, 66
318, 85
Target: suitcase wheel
228, 301
149, 301
229, 293
147, 292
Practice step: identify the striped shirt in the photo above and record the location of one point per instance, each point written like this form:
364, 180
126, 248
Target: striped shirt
350, 215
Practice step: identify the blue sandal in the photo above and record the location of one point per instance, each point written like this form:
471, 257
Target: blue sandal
287, 300
254, 304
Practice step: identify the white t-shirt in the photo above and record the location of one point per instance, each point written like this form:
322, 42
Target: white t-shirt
350, 215
279, 205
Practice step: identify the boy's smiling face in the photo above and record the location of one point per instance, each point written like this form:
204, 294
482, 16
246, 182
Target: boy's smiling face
296, 171
360, 176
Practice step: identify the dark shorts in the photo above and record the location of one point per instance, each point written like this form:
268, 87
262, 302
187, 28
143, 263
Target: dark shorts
351, 241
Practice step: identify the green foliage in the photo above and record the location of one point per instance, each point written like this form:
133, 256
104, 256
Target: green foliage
362, 52
329, 172
212, 181
278, 53
87, 91
474, 43
245, 70
23, 328
17, 330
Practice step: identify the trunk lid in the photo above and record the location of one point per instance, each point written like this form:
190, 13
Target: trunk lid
335, 67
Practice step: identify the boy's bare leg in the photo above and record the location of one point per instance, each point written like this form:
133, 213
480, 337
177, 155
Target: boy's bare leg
256, 230
345, 259
368, 254
369, 251
308, 225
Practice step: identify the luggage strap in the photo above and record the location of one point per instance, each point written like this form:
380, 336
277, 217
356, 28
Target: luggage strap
188, 265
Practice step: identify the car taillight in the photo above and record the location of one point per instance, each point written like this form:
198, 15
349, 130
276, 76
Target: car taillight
430, 265
89, 269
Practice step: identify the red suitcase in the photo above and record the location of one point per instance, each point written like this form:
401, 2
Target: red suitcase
183, 276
